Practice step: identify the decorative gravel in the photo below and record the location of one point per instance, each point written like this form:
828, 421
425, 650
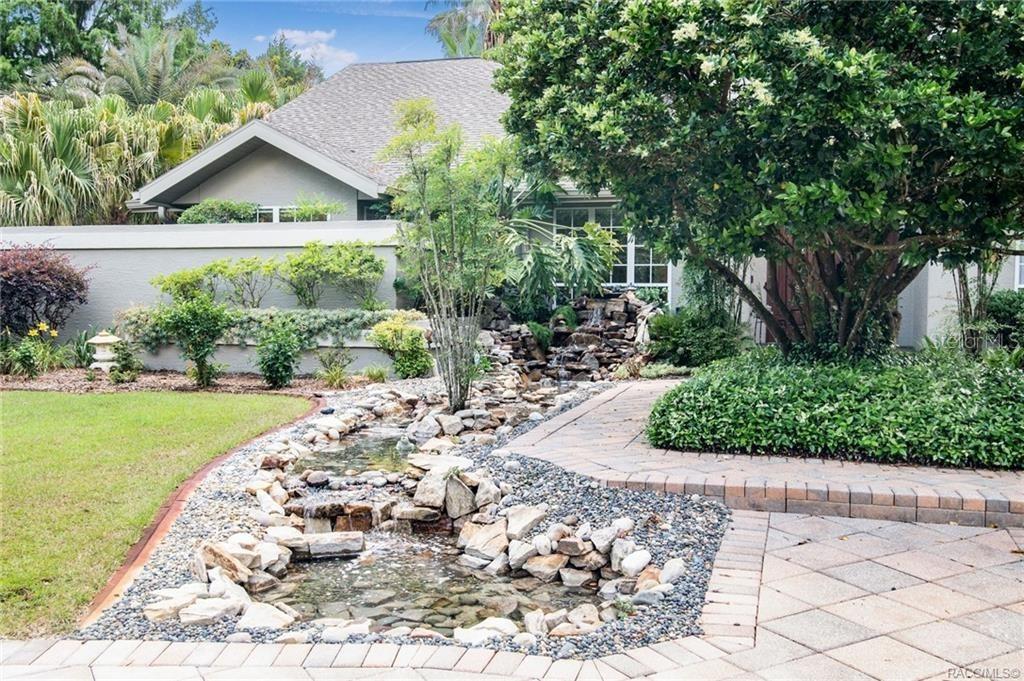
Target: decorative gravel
667, 525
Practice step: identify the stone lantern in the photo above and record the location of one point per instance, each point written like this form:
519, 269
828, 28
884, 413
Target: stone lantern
103, 344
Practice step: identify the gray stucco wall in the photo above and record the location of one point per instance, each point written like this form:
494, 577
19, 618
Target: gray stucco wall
123, 260
270, 177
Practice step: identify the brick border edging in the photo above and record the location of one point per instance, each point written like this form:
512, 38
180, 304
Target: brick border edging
958, 504
165, 516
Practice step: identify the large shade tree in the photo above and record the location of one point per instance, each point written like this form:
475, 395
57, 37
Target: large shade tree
848, 143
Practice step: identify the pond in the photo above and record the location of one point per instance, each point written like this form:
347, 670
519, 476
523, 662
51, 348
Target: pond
372, 449
415, 580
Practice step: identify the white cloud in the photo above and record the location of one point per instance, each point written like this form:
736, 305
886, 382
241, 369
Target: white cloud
260, 38
314, 46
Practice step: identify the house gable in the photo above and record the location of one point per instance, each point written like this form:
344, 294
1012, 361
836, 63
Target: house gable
247, 148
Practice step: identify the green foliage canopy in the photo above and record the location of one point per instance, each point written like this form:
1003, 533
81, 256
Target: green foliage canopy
848, 143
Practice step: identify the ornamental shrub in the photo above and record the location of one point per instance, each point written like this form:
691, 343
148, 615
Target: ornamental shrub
36, 353
39, 285
1006, 310
333, 327
334, 367
210, 211
405, 344
127, 364
248, 280
278, 353
196, 324
929, 408
189, 283
352, 267
692, 337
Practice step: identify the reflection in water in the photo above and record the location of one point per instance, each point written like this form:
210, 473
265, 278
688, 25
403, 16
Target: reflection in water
414, 580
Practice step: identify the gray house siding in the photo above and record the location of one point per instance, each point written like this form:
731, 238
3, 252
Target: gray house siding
123, 260
271, 177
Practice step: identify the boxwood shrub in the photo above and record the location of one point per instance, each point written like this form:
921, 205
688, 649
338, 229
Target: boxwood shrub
926, 408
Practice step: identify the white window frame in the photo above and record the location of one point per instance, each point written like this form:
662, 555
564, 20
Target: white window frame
1019, 272
275, 212
631, 248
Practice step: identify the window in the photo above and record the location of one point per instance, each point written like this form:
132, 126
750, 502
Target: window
275, 214
1020, 271
636, 265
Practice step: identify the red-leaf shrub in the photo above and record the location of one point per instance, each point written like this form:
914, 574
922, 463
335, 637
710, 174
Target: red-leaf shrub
38, 284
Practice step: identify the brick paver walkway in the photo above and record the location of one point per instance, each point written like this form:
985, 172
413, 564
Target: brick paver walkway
603, 438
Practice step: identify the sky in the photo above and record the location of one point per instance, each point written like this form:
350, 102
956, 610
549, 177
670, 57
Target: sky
333, 34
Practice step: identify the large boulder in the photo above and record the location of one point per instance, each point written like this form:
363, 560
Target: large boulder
519, 552
545, 568
633, 564
451, 425
487, 493
335, 544
424, 429
214, 555
459, 500
522, 519
431, 490
264, 616
209, 610
484, 541
167, 608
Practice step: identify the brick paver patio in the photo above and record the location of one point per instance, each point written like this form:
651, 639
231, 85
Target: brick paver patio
792, 596
603, 438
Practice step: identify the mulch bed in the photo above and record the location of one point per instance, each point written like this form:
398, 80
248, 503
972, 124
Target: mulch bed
74, 381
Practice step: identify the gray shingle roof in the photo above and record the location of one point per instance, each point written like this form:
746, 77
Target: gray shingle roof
351, 116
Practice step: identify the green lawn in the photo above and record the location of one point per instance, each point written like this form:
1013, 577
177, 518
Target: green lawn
82, 475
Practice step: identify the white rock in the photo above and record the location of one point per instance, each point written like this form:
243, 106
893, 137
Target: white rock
222, 587
263, 616
239, 637
634, 563
442, 462
487, 493
584, 614
620, 549
458, 499
673, 569
342, 633
485, 541
602, 539
584, 530
430, 491
168, 608
474, 636
437, 444
451, 425
524, 639
534, 622
293, 637
209, 610
335, 544
572, 577
267, 503
522, 519
500, 624
191, 588
243, 539
623, 525
498, 566
519, 552
542, 544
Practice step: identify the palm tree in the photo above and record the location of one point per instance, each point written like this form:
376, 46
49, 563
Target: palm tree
46, 171
144, 69
464, 28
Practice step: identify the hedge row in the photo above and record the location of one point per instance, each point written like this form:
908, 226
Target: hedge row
927, 409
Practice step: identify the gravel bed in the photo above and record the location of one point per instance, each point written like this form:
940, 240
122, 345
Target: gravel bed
668, 525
